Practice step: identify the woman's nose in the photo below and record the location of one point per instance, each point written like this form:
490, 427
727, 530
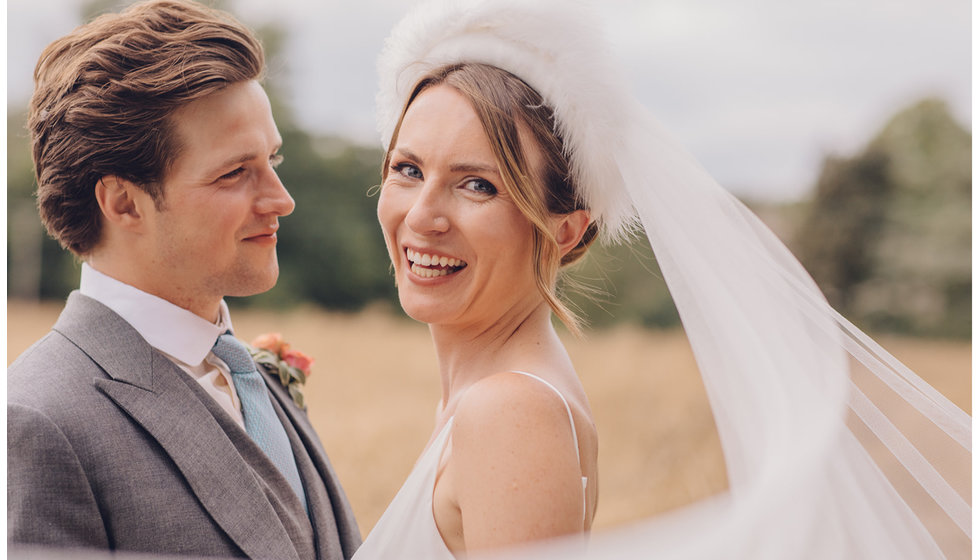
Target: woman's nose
428, 213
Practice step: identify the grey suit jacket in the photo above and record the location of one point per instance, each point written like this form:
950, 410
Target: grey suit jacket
111, 445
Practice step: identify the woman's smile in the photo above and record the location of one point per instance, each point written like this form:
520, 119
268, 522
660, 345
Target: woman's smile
431, 265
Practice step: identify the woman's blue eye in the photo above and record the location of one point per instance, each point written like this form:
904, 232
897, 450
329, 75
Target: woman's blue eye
481, 186
407, 170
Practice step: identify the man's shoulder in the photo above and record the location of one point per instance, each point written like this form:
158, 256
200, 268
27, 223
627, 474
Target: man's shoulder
53, 347
84, 326
52, 365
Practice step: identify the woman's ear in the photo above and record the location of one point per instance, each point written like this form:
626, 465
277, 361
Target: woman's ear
570, 229
120, 201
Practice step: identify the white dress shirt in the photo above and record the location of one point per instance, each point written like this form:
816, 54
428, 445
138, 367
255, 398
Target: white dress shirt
182, 336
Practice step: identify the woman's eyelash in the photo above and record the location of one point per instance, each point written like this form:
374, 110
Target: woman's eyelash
481, 186
411, 171
406, 169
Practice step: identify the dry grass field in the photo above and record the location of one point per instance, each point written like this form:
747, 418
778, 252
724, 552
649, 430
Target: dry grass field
374, 389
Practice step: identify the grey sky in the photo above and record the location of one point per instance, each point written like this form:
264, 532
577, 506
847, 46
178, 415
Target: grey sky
759, 90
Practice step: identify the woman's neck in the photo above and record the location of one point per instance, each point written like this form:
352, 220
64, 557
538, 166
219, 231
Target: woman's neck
466, 355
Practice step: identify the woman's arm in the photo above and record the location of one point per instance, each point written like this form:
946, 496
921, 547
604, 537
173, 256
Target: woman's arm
515, 472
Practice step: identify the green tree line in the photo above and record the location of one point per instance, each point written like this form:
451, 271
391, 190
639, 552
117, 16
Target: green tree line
886, 232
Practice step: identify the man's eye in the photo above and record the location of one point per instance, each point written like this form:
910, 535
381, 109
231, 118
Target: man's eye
233, 174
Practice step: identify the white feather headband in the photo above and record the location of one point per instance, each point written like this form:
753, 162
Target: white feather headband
569, 68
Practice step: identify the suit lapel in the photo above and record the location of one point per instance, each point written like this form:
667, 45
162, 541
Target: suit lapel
331, 513
149, 388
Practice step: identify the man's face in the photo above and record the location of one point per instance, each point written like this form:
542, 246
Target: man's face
215, 233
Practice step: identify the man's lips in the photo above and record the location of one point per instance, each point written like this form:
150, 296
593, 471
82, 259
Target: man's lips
266, 237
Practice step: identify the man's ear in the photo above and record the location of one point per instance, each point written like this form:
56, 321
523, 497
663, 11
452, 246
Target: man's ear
571, 228
122, 202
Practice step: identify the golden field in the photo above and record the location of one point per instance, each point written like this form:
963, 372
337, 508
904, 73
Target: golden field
374, 390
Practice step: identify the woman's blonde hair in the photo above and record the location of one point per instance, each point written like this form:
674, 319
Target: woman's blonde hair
506, 106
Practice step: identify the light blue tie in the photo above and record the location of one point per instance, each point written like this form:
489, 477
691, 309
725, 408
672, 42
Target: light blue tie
261, 421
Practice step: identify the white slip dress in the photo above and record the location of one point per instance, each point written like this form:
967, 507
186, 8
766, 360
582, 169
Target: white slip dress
407, 529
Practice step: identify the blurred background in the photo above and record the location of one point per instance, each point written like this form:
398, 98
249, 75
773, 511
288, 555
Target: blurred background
845, 125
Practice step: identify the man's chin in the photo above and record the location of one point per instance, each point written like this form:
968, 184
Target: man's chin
253, 284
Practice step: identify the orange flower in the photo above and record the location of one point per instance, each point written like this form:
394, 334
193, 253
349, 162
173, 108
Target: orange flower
292, 367
297, 359
271, 342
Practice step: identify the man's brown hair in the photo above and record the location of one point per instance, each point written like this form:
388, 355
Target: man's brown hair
104, 95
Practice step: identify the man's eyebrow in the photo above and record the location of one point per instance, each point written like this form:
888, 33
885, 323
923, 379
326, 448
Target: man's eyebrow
238, 159
248, 156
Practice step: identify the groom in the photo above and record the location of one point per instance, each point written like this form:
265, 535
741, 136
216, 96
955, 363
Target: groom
131, 425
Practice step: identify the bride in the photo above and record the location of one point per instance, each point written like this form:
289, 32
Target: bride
513, 142
477, 218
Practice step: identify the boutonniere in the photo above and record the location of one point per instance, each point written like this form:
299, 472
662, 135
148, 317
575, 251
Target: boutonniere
292, 366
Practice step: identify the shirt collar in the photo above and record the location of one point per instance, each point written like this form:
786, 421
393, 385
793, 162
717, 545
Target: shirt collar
173, 330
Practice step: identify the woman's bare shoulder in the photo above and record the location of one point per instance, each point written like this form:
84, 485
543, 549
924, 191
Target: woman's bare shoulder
511, 398
515, 466
515, 423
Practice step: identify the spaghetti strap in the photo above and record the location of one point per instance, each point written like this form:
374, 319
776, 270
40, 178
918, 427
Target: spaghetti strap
568, 409
408, 527
571, 421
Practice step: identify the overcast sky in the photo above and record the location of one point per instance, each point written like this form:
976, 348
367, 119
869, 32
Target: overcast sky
760, 91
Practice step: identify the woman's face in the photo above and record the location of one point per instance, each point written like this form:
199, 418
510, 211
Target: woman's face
462, 251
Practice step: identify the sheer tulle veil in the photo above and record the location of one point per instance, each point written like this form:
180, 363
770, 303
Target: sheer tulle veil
834, 449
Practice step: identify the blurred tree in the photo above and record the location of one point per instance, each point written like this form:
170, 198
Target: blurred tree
620, 283
37, 267
24, 231
844, 223
92, 8
331, 251
888, 235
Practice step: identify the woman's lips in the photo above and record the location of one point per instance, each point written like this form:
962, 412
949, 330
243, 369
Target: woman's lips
432, 265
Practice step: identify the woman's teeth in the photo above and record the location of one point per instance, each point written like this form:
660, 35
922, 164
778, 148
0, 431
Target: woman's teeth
429, 272
442, 266
432, 260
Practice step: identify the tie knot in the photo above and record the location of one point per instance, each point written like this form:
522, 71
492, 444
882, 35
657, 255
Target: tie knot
233, 354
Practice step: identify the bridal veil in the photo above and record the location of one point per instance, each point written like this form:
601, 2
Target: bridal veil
833, 448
